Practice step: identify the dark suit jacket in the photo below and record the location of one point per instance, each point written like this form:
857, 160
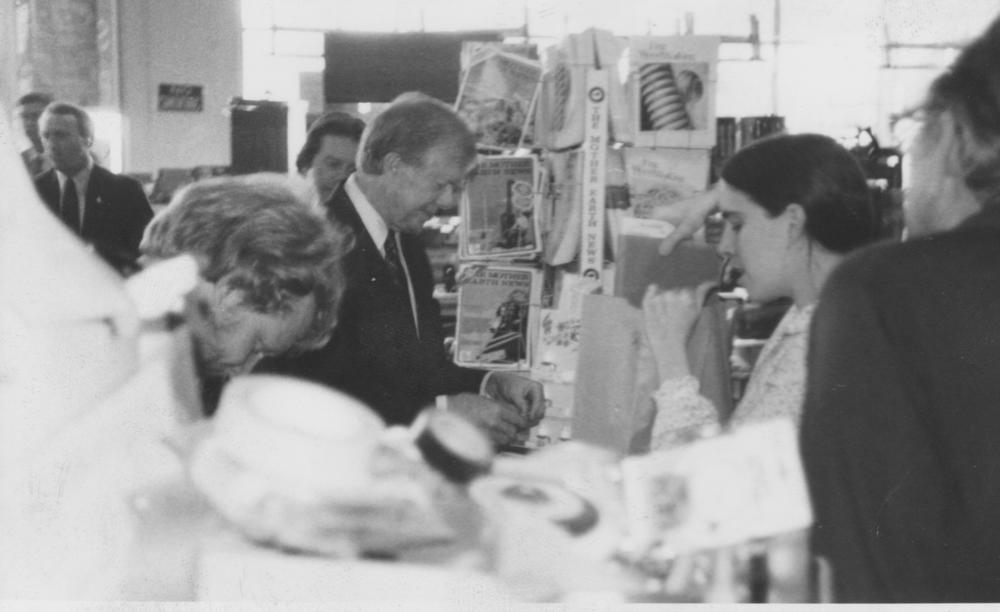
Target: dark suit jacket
115, 214
375, 353
901, 424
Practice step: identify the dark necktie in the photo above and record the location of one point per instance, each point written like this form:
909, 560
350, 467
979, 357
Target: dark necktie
70, 211
392, 260
398, 274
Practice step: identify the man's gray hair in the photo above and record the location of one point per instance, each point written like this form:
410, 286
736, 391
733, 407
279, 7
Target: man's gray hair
411, 125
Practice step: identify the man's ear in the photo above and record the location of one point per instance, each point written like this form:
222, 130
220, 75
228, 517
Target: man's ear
392, 163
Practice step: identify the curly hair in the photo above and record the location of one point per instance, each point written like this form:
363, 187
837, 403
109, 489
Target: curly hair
963, 107
255, 234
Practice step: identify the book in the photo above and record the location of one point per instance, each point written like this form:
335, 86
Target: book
672, 90
497, 97
497, 316
500, 209
640, 263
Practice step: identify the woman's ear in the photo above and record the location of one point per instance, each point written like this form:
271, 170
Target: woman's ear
796, 217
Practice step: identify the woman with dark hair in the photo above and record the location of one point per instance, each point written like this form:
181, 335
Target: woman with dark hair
793, 206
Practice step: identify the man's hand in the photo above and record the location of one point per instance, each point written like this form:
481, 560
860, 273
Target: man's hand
695, 210
501, 421
526, 394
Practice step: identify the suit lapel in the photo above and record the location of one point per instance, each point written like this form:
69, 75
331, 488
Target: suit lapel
365, 256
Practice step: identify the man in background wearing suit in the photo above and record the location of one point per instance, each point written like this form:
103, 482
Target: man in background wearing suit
28, 109
107, 210
388, 349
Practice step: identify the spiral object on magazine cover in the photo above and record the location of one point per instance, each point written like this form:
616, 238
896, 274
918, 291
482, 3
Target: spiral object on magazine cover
662, 99
561, 81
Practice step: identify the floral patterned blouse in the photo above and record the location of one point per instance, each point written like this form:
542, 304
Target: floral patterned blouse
776, 387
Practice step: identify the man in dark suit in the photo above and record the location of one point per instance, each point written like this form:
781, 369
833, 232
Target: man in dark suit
388, 347
108, 211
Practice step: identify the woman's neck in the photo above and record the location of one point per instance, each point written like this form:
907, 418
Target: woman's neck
816, 267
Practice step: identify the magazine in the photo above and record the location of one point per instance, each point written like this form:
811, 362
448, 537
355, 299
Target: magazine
500, 209
497, 316
497, 98
673, 83
660, 178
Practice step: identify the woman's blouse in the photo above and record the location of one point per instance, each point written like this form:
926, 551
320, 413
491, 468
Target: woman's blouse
776, 387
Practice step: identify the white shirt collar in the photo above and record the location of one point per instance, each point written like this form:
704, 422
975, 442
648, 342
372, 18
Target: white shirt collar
374, 223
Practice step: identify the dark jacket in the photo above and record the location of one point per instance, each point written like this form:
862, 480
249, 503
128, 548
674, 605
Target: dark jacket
115, 214
901, 423
375, 353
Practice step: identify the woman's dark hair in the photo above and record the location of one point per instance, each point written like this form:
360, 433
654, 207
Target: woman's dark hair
334, 123
816, 173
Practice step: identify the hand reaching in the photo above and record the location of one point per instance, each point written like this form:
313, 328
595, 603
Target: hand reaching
696, 209
499, 420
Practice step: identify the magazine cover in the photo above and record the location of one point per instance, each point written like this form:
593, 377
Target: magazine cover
660, 178
497, 98
561, 113
500, 209
497, 314
673, 83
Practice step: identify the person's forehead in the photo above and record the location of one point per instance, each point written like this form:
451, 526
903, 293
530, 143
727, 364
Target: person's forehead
61, 122
335, 144
732, 200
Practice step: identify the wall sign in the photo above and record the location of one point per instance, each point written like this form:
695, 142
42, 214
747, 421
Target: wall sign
185, 98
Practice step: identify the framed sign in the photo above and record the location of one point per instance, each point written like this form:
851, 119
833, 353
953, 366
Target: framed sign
184, 98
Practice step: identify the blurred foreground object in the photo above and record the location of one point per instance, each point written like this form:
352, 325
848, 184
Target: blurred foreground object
302, 467
84, 406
